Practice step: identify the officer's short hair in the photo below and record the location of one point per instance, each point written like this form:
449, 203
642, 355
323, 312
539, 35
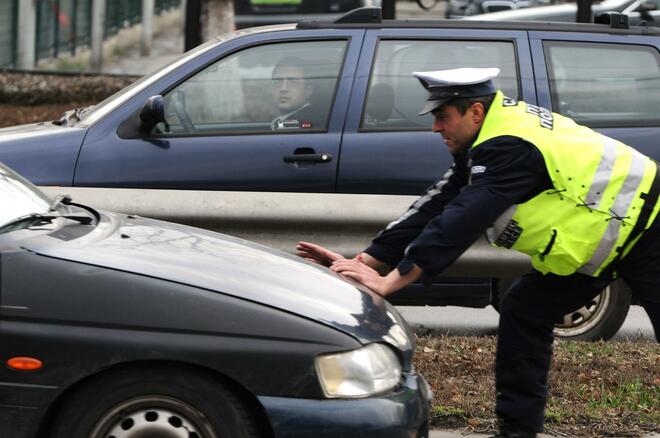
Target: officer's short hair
462, 104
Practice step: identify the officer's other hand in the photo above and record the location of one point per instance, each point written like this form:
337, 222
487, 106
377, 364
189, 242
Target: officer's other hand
317, 254
362, 273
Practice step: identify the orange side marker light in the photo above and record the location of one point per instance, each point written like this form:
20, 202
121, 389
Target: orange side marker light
24, 363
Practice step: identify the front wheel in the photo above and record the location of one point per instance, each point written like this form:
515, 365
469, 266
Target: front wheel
154, 403
600, 319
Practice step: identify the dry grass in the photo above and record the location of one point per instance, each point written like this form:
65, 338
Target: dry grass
42, 89
29, 98
597, 389
11, 115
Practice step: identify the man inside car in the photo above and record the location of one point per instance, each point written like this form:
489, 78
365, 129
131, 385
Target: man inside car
292, 90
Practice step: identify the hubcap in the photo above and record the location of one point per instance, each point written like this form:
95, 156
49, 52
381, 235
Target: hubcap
153, 417
585, 318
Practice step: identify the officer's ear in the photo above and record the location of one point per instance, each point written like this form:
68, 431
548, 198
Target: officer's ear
477, 112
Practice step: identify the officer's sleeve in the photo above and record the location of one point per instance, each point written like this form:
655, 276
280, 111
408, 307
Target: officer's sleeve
504, 171
391, 242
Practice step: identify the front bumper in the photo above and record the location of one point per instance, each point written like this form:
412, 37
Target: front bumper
401, 414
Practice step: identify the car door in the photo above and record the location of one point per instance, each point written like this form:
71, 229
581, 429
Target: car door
608, 82
389, 149
225, 126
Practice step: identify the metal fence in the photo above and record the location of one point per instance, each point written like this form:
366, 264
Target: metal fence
124, 13
8, 28
63, 26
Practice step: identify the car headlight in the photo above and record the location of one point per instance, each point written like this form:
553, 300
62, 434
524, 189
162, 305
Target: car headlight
364, 372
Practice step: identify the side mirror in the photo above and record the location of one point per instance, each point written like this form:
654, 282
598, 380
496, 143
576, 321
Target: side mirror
152, 113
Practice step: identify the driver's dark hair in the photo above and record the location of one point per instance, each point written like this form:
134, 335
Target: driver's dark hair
464, 103
294, 61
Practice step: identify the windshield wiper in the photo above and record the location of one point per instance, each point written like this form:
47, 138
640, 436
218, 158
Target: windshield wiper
32, 219
59, 200
72, 116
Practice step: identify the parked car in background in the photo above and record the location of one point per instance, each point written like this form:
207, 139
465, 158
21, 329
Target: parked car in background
202, 141
249, 13
639, 12
462, 8
121, 326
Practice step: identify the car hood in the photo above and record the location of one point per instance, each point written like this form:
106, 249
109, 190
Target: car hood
232, 266
32, 129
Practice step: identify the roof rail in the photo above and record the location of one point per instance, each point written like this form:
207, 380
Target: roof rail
614, 19
366, 14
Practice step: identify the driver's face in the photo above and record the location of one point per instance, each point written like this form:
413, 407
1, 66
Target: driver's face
290, 90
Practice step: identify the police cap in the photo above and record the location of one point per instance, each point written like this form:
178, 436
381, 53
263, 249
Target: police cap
446, 85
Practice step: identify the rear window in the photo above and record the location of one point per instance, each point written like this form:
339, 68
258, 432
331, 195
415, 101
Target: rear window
395, 96
604, 85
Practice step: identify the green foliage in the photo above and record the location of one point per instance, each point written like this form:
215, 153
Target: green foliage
446, 411
633, 396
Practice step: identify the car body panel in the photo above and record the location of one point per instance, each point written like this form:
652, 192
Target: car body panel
294, 418
47, 153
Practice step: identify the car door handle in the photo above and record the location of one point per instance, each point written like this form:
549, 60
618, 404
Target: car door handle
307, 158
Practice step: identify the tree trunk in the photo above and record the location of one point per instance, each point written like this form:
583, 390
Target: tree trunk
193, 27
389, 9
217, 18
583, 11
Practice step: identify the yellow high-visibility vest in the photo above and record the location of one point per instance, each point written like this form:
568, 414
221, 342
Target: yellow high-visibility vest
595, 201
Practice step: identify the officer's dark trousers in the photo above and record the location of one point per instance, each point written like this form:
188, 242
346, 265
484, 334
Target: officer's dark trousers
527, 316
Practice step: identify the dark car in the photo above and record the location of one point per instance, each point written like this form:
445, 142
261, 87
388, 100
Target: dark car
248, 13
121, 326
639, 12
215, 140
462, 8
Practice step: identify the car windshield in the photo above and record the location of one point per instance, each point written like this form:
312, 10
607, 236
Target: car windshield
19, 197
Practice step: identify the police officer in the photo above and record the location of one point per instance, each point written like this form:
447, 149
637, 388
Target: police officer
581, 205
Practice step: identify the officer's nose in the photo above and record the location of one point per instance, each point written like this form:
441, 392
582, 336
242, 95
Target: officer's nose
437, 125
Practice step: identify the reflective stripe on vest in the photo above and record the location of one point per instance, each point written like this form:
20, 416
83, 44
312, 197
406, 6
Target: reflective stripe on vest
596, 199
621, 205
419, 203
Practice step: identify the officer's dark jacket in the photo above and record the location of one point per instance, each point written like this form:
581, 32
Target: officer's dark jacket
454, 211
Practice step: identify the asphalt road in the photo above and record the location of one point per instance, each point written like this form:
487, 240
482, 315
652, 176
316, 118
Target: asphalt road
467, 321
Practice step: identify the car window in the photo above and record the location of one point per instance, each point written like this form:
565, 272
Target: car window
600, 84
395, 97
286, 87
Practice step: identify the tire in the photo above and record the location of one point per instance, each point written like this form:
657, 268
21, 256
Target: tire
427, 4
601, 319
165, 402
